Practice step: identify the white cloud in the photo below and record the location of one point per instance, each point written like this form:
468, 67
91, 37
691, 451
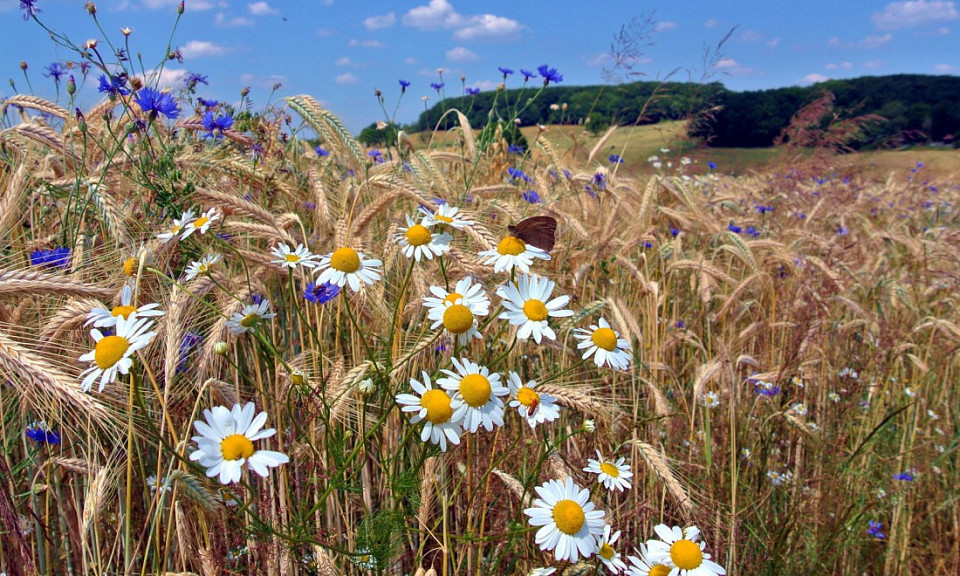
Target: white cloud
874, 64
260, 8
461, 54
158, 4
347, 78
441, 15
326, 32
605, 59
343, 62
377, 22
773, 43
664, 26
842, 65
486, 85
222, 21
750, 36
266, 82
876, 41
202, 48
711, 23
169, 78
731, 67
367, 43
815, 78
409, 61
914, 13
945, 68
726, 64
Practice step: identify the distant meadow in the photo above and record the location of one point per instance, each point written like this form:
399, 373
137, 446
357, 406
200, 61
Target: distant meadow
240, 339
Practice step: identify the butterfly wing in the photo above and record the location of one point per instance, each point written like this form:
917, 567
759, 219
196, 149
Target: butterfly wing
541, 231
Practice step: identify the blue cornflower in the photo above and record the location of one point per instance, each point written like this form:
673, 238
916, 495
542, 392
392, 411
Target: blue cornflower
616, 159
55, 71
875, 529
403, 86
761, 209
216, 126
56, 258
321, 293
321, 151
734, 228
40, 433
674, 231
308, 205
514, 149
208, 104
905, 476
257, 299
29, 9
437, 86
600, 181
517, 174
472, 91
376, 156
680, 324
190, 341
192, 79
842, 231
764, 388
115, 85
751, 231
505, 71
223, 236
647, 244
527, 75
155, 102
549, 74
439, 201
712, 165
531, 196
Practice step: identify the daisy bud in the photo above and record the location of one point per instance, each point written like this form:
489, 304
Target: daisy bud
91, 8
220, 348
126, 31
23, 65
90, 44
366, 386
589, 425
298, 378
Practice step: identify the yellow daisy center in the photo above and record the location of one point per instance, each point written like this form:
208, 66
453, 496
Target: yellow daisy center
130, 266
291, 258
235, 447
528, 397
475, 389
124, 311
605, 338
109, 351
457, 318
659, 570
200, 221
345, 260
686, 555
452, 298
204, 267
606, 551
442, 218
437, 404
569, 516
610, 470
512, 246
418, 235
175, 229
535, 310
250, 320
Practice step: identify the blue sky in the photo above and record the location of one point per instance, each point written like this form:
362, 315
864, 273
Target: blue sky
339, 51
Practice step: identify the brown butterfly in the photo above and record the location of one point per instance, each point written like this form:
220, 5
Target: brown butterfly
540, 231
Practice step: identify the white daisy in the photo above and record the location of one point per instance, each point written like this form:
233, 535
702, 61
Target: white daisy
418, 242
226, 441
528, 305
201, 224
457, 310
101, 317
287, 258
178, 225
248, 318
434, 406
202, 266
476, 395
680, 550
614, 475
111, 354
605, 345
608, 555
511, 253
646, 565
570, 524
534, 407
446, 215
347, 266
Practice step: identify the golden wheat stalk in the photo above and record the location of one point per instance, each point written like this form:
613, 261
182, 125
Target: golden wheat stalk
20, 282
660, 465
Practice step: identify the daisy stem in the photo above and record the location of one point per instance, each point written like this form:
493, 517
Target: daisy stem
563, 372
366, 346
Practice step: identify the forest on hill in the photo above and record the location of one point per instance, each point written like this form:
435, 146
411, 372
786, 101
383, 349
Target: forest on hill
906, 109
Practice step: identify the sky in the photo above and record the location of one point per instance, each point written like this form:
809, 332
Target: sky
340, 51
